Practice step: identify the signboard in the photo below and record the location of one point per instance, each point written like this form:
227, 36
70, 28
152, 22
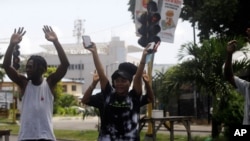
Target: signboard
170, 12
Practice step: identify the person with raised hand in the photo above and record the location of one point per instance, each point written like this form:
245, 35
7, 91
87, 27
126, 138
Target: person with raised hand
242, 85
121, 105
36, 92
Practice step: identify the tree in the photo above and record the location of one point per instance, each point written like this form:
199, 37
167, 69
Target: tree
167, 87
205, 71
211, 20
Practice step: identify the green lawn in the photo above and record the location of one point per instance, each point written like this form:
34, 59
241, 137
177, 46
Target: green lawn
91, 135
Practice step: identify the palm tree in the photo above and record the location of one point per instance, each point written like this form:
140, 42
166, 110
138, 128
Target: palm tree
204, 72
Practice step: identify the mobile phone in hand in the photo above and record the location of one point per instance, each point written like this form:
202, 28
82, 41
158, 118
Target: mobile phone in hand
87, 41
151, 48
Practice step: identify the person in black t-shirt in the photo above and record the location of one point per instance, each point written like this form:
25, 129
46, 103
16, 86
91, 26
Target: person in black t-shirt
121, 105
97, 100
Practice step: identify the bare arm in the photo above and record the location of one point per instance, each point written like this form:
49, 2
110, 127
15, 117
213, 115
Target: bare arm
137, 85
98, 65
228, 71
15, 39
90, 89
50, 35
149, 90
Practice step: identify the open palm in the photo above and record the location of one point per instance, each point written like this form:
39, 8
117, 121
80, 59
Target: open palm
50, 35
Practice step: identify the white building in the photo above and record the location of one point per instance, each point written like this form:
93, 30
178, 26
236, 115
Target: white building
81, 61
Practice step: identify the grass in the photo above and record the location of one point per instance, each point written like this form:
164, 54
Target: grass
91, 135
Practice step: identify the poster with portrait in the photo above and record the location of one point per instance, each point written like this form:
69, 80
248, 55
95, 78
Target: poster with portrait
170, 12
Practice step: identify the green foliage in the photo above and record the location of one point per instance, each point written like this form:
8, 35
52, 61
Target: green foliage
57, 90
205, 67
50, 70
62, 101
91, 135
60, 111
67, 100
204, 72
210, 16
229, 109
167, 85
70, 111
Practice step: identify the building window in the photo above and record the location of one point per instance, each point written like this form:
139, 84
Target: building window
73, 87
64, 87
76, 67
80, 66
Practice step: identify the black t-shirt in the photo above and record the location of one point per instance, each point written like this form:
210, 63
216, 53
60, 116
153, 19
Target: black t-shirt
119, 115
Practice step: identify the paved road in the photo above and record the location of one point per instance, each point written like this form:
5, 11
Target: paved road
91, 123
14, 138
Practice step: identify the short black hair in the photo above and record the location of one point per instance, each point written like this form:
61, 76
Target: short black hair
126, 70
39, 61
128, 67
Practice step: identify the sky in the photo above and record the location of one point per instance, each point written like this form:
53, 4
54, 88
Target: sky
103, 19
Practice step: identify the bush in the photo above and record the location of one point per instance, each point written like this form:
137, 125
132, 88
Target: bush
61, 111
230, 110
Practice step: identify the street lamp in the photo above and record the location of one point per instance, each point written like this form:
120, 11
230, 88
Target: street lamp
110, 65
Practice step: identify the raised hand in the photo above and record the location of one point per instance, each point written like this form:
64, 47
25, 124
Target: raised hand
50, 35
17, 35
92, 48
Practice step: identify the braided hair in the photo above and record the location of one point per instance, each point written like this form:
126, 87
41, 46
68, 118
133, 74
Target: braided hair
39, 62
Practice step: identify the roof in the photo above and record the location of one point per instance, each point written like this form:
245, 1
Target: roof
70, 80
74, 48
134, 49
95, 91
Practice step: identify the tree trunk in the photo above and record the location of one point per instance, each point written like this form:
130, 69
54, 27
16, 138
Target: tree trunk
216, 128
